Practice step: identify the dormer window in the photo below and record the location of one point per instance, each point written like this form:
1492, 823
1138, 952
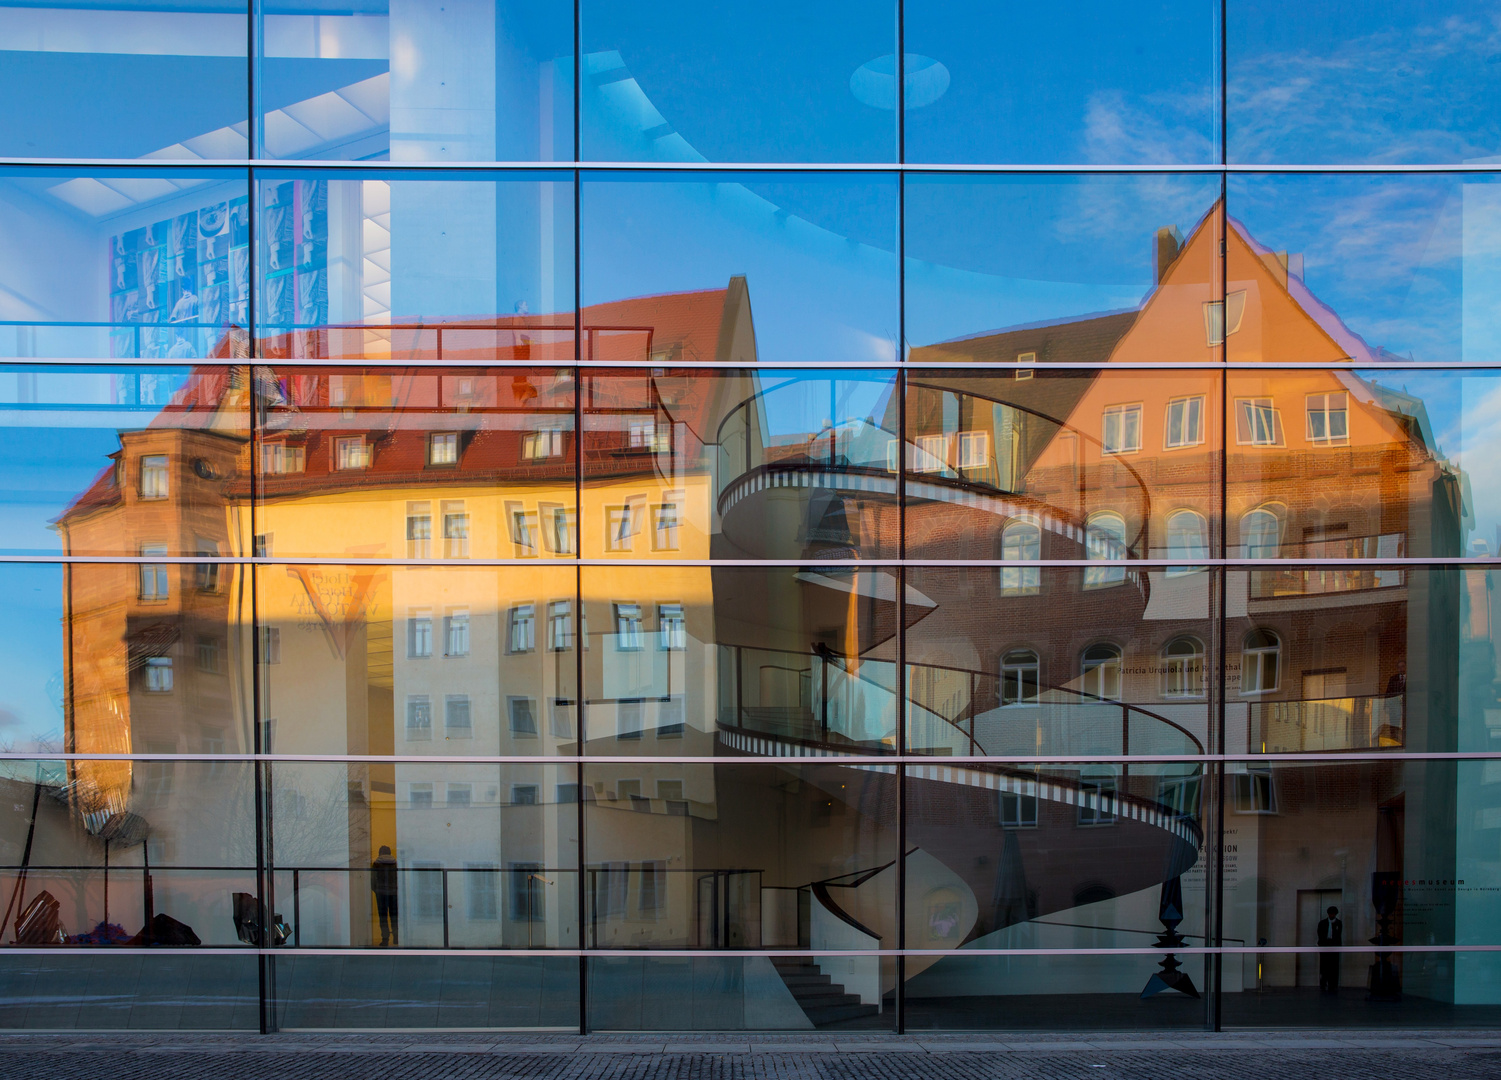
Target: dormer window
443, 448
351, 453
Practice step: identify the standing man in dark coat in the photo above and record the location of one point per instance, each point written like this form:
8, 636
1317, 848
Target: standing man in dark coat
383, 884
1331, 933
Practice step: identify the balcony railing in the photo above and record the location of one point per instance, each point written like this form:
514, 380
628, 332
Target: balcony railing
1328, 724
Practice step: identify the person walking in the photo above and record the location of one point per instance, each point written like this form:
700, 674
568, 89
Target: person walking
383, 882
1331, 934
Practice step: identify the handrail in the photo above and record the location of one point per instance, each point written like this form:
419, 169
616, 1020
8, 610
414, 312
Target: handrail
821, 891
1115, 798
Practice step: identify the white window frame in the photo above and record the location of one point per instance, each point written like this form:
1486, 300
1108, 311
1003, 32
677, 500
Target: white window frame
1191, 423
1127, 440
1258, 422
1326, 410
443, 448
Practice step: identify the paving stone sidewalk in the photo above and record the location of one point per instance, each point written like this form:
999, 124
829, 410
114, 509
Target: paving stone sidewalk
482, 1056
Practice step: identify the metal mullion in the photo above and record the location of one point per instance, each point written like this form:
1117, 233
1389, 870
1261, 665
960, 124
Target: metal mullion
578, 513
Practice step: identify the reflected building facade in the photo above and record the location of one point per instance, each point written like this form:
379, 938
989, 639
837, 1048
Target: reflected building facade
540, 574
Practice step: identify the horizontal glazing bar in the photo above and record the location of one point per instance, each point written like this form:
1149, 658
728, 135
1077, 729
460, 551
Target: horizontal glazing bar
663, 954
874, 369
864, 564
288, 164
829, 757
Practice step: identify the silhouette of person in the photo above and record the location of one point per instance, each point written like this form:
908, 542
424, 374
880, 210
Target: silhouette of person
383, 884
1331, 933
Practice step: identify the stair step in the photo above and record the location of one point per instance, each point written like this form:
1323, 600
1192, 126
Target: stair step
822, 1000
838, 1013
834, 998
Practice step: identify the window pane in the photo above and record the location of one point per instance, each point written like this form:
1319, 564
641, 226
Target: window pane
454, 83
748, 464
1425, 290
390, 504
349, 682
86, 75
678, 81
1141, 85
181, 839
149, 266
815, 823
1053, 462
814, 256
474, 833
768, 657
102, 462
1115, 841
1081, 269
1356, 658
1335, 496
727, 992
463, 268
1052, 666
1411, 83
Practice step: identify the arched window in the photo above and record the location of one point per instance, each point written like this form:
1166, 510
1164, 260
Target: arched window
1187, 539
1104, 541
1021, 541
1102, 671
1260, 662
1020, 676
1261, 534
1183, 668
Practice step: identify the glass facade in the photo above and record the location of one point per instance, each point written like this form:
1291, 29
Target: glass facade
647, 517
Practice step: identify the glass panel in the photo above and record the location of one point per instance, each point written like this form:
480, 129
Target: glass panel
1076, 269
1031, 661
750, 856
129, 853
1325, 659
1410, 83
426, 856
1349, 464
449, 83
129, 80
117, 989
445, 463
694, 661
687, 82
389, 268
1052, 993
148, 266
1404, 853
1427, 281
742, 993
1050, 857
674, 264
394, 992
1422, 1004
1143, 82
684, 464
448, 661
105, 658
123, 461
1096, 465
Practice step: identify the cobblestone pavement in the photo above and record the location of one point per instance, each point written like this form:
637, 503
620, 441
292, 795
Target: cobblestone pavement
476, 1056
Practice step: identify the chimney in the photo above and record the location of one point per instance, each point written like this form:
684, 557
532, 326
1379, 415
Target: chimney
1168, 244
